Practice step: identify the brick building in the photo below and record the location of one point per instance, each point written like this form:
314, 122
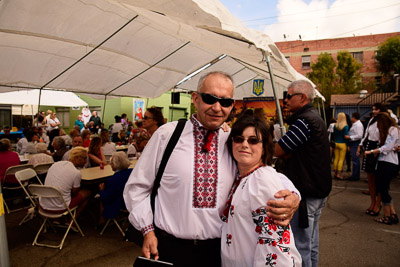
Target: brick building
302, 53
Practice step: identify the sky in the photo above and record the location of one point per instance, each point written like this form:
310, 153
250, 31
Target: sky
317, 19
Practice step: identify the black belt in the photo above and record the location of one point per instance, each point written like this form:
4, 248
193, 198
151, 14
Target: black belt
193, 242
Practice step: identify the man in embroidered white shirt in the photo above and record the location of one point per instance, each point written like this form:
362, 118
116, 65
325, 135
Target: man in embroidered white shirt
355, 135
195, 184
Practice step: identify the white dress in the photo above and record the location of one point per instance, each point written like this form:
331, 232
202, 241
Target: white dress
249, 237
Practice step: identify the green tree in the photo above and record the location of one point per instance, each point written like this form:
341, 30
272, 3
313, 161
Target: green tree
388, 57
348, 72
323, 75
336, 77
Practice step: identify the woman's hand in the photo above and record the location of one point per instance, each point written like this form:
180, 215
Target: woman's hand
358, 151
282, 211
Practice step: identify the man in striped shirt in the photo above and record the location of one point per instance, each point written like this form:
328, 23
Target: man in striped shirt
305, 150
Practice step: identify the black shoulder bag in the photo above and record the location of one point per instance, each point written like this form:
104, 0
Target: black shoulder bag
131, 233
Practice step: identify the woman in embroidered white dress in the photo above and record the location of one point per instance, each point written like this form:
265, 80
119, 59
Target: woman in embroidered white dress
249, 237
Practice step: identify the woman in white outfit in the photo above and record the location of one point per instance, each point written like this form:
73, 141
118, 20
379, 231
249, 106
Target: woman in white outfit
249, 237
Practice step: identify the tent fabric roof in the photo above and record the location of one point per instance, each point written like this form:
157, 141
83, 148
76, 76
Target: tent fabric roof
47, 98
129, 47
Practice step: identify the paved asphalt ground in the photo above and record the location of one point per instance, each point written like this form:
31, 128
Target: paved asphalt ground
348, 237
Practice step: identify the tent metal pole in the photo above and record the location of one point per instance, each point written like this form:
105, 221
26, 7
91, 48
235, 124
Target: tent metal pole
151, 66
91, 51
104, 108
278, 106
323, 110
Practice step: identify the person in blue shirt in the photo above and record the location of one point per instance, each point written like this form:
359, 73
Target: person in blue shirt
111, 191
79, 122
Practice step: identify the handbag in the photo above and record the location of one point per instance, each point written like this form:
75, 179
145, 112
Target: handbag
132, 234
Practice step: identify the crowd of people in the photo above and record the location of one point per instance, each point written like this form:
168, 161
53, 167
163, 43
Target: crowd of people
46, 142
373, 150
222, 193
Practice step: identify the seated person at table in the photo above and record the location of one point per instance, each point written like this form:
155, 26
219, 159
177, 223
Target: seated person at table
122, 138
116, 128
7, 159
8, 135
108, 146
66, 137
41, 157
111, 191
77, 141
60, 148
86, 138
91, 127
96, 154
43, 137
27, 143
137, 146
67, 178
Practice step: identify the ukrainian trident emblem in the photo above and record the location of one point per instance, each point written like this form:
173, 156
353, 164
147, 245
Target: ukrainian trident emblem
258, 87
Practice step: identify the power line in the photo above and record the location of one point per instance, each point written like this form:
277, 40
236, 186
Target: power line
312, 11
366, 27
337, 15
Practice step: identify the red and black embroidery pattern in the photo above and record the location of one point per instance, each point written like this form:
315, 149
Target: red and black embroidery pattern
205, 167
266, 228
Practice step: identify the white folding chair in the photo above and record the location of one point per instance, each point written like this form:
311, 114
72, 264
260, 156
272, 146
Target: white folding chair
23, 178
11, 172
44, 191
116, 222
42, 168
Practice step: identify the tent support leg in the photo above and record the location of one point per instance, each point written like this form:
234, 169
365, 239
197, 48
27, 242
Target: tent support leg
104, 109
278, 106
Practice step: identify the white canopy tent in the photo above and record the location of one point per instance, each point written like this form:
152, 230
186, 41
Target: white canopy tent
47, 98
129, 47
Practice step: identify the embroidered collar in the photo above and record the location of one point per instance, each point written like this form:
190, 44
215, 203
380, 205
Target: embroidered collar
247, 174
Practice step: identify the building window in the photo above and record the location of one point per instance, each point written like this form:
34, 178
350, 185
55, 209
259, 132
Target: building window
359, 56
63, 116
288, 58
306, 62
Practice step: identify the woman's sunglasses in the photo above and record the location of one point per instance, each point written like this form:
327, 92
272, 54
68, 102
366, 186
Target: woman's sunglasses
250, 140
211, 99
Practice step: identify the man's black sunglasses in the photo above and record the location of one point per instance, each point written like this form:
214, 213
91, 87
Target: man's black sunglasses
211, 99
289, 96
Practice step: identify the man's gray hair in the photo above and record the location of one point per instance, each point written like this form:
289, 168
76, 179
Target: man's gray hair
120, 161
59, 141
304, 87
41, 147
202, 78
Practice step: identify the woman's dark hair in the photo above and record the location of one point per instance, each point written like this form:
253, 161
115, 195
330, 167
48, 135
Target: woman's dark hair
95, 145
381, 107
384, 122
117, 118
5, 144
262, 128
123, 115
157, 115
